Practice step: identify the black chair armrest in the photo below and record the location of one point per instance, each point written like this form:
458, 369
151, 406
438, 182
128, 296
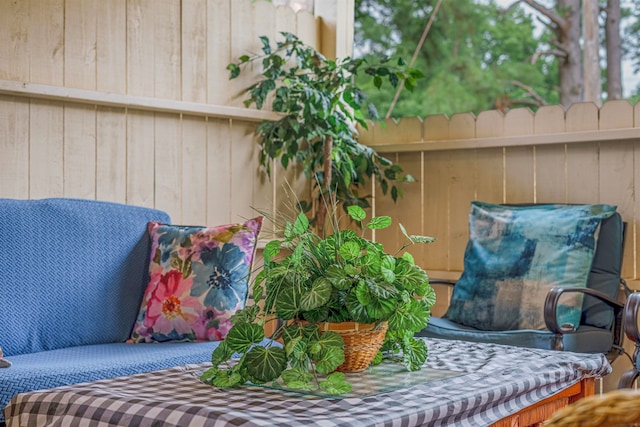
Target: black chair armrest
630, 317
551, 305
551, 320
442, 282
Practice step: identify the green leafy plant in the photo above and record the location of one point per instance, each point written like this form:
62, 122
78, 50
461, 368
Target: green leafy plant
308, 279
321, 105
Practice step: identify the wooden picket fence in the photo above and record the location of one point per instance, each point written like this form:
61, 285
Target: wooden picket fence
582, 155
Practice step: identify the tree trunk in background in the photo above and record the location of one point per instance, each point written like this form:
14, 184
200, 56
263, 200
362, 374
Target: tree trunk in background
591, 57
571, 87
614, 50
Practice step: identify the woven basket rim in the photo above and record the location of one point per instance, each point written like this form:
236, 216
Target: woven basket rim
351, 326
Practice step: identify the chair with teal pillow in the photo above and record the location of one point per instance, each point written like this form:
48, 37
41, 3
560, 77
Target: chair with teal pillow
540, 276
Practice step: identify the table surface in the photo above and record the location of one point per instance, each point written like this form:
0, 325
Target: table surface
495, 381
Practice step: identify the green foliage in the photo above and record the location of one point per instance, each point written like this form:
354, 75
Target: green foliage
321, 102
336, 278
476, 57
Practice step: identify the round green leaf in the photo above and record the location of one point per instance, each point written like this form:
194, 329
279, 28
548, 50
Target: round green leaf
271, 249
388, 275
301, 375
265, 364
414, 354
243, 336
329, 360
413, 315
363, 294
380, 309
379, 222
227, 379
349, 251
300, 225
356, 212
288, 302
335, 384
357, 311
317, 295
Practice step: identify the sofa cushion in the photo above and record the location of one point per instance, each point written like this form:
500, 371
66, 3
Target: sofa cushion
198, 278
73, 272
515, 255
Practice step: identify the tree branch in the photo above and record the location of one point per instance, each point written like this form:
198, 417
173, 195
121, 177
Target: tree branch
526, 102
555, 52
554, 17
540, 101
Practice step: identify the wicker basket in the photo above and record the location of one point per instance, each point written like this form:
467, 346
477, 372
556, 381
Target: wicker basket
361, 342
615, 408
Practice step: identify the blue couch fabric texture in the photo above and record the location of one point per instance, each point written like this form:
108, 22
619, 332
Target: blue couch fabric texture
73, 275
73, 272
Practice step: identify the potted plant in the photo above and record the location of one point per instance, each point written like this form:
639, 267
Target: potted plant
308, 280
321, 105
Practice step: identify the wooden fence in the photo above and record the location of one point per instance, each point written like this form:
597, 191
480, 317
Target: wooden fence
130, 101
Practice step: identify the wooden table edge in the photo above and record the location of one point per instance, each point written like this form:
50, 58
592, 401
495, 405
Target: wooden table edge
542, 410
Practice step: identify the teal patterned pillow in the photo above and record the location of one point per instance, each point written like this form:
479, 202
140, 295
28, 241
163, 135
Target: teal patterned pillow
198, 278
515, 254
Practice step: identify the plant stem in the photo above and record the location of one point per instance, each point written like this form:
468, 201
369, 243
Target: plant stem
326, 185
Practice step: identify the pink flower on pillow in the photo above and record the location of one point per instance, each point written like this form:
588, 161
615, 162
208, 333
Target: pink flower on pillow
170, 307
213, 324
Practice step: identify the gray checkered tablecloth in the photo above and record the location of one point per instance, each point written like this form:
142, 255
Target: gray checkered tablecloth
495, 381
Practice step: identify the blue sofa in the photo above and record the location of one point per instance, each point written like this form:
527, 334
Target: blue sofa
72, 276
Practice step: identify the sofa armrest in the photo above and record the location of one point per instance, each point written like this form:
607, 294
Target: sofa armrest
551, 320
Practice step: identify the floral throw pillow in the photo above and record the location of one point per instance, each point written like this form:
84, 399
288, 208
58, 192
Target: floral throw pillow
198, 278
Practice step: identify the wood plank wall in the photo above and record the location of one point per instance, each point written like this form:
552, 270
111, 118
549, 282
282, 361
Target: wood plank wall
583, 155
130, 101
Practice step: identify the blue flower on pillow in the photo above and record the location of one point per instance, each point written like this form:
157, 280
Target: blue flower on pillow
222, 274
172, 238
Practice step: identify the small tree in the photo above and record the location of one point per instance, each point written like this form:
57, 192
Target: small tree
321, 106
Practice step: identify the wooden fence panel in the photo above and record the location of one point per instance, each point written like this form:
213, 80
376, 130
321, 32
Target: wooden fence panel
80, 39
219, 187
168, 165
519, 161
111, 46
46, 140
79, 151
14, 33
111, 154
583, 155
193, 169
14, 146
140, 152
550, 160
617, 170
